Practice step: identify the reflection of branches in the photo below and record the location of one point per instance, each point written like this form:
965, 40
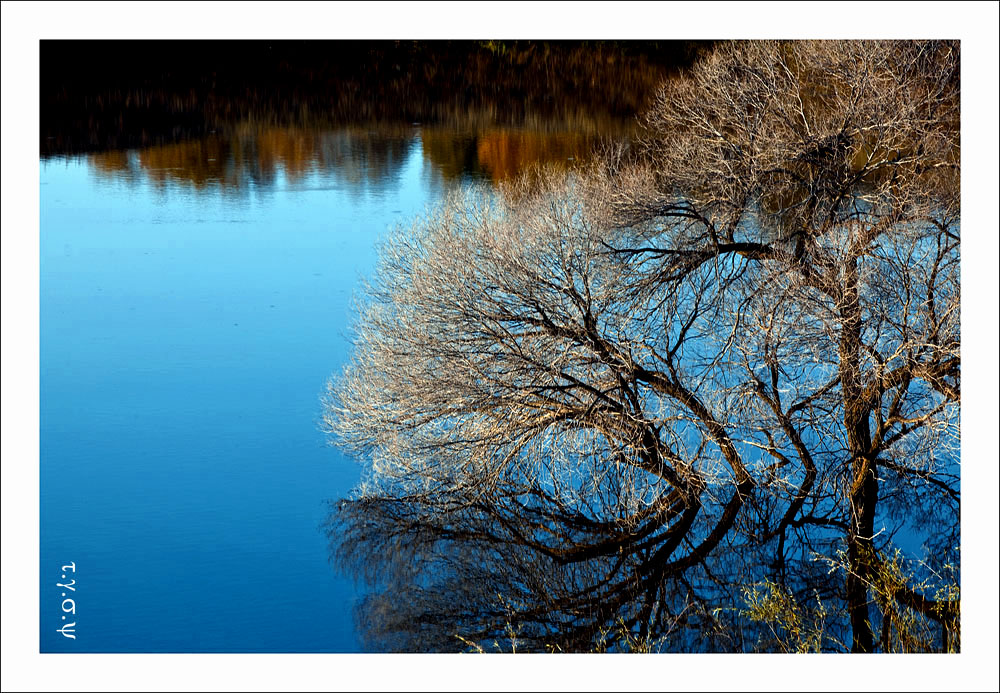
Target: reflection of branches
484, 571
622, 397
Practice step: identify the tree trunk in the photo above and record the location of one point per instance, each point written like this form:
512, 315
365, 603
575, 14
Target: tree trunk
864, 482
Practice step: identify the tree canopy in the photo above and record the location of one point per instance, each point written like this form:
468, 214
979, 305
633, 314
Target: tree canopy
701, 395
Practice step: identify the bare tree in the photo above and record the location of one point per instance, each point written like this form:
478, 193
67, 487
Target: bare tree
625, 400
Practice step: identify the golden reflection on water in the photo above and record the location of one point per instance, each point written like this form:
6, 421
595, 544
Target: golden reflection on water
504, 154
356, 156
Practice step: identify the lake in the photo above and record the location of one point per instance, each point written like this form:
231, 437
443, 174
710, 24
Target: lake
195, 297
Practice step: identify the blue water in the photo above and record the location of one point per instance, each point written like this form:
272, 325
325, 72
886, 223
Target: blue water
187, 333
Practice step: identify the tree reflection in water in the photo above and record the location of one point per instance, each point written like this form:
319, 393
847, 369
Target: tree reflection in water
703, 399
356, 157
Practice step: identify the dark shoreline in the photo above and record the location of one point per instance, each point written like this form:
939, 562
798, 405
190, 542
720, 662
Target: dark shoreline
106, 95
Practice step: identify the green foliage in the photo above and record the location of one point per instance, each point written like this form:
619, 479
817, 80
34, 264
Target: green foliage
622, 639
794, 627
918, 609
905, 626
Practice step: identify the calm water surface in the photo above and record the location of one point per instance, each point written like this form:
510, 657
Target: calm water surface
188, 325
195, 298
